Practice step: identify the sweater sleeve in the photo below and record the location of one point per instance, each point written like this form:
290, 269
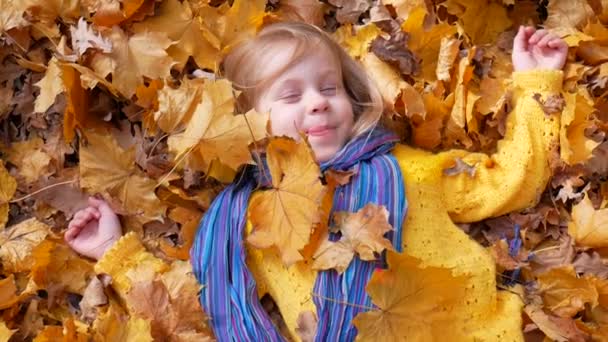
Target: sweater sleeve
123, 259
514, 177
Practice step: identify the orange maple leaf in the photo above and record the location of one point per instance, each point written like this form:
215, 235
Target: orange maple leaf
285, 215
414, 302
362, 233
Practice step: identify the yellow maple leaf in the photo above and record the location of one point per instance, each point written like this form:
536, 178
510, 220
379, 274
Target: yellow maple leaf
29, 157
67, 333
566, 17
214, 132
5, 332
8, 186
104, 166
469, 13
575, 146
389, 81
427, 133
230, 25
426, 42
362, 233
357, 45
175, 106
50, 86
110, 327
57, 265
17, 242
285, 215
113, 12
565, 293
8, 292
77, 100
132, 58
421, 309
405, 7
589, 227
183, 26
189, 220
11, 15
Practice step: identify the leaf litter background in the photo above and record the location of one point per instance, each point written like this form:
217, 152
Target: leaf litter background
125, 98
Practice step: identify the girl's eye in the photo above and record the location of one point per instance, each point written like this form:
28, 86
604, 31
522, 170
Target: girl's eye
290, 97
329, 90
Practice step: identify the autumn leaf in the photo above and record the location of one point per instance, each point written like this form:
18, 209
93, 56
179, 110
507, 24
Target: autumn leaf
151, 300
469, 13
17, 243
29, 157
5, 332
8, 186
50, 86
11, 15
349, 10
215, 132
133, 58
307, 326
183, 26
388, 80
557, 328
566, 294
575, 146
229, 25
110, 327
588, 225
67, 332
57, 265
459, 167
175, 106
8, 293
75, 115
293, 200
189, 221
357, 44
362, 233
419, 311
425, 42
104, 166
84, 38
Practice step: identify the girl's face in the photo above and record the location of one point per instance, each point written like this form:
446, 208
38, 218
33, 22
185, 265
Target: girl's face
309, 97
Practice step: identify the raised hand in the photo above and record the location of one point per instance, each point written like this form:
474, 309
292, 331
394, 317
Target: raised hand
93, 229
538, 49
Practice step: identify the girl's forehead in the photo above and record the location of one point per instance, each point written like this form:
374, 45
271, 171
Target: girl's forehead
283, 59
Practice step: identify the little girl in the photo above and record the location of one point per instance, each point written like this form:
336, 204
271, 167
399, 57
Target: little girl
309, 84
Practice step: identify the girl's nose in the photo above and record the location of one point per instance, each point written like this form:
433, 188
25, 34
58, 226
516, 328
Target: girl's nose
318, 103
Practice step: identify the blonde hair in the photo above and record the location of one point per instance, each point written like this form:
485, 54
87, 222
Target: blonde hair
242, 67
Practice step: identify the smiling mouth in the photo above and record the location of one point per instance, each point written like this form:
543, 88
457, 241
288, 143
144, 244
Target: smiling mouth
318, 131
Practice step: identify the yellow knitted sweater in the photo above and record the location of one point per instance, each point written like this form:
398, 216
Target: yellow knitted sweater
511, 179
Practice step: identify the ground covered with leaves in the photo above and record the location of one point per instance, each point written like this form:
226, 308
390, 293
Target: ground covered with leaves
124, 98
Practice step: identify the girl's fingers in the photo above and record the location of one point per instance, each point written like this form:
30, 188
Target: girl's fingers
520, 42
557, 43
101, 205
71, 233
94, 212
546, 39
537, 36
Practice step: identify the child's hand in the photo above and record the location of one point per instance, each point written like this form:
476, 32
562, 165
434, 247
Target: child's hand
94, 229
540, 49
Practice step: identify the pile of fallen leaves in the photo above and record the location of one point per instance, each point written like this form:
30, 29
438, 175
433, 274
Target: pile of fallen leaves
125, 98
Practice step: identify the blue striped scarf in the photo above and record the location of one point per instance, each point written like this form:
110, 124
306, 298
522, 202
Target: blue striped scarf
229, 294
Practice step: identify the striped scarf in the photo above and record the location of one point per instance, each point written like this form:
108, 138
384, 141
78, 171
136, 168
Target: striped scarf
229, 294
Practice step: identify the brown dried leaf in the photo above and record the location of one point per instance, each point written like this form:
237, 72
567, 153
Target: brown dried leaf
395, 52
362, 233
553, 104
460, 167
591, 263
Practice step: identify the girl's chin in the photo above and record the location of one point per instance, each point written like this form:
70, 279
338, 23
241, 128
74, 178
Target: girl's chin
325, 153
